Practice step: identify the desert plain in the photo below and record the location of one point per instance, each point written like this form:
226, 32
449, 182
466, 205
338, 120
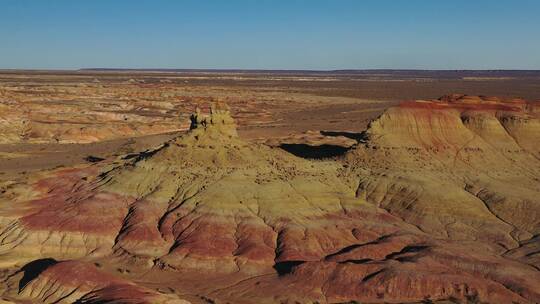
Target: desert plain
192, 186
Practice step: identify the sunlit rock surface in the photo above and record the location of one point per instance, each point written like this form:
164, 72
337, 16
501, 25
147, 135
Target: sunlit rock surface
438, 201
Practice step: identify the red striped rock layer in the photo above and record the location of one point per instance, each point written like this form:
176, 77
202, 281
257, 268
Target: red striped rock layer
433, 158
461, 168
207, 207
456, 122
79, 282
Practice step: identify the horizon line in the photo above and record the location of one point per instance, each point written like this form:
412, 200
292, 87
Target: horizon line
263, 70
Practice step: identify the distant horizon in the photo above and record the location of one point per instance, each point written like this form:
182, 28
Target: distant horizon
269, 70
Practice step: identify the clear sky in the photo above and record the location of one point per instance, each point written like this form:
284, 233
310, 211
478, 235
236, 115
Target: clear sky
279, 34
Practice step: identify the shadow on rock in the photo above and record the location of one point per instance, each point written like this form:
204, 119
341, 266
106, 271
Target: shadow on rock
314, 152
283, 268
34, 269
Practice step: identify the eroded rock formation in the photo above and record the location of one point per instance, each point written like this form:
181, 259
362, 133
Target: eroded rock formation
435, 205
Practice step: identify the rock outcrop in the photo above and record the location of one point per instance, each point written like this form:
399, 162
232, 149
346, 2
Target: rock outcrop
78, 282
402, 218
456, 166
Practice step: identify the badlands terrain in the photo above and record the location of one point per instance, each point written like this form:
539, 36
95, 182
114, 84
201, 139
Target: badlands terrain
259, 187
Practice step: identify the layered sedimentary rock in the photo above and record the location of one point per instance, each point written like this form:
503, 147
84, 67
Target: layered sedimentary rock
462, 168
166, 205
409, 215
73, 281
50, 121
86, 110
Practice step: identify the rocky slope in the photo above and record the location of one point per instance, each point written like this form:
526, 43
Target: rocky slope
455, 165
431, 207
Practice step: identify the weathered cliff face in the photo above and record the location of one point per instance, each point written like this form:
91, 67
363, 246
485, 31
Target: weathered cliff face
462, 168
455, 122
210, 216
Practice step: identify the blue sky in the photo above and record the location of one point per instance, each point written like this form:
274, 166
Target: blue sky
262, 34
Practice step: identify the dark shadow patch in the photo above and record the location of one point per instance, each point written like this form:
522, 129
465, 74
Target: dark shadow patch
360, 261
284, 268
354, 246
314, 152
145, 154
34, 269
409, 259
344, 250
93, 159
372, 275
359, 137
407, 249
530, 254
